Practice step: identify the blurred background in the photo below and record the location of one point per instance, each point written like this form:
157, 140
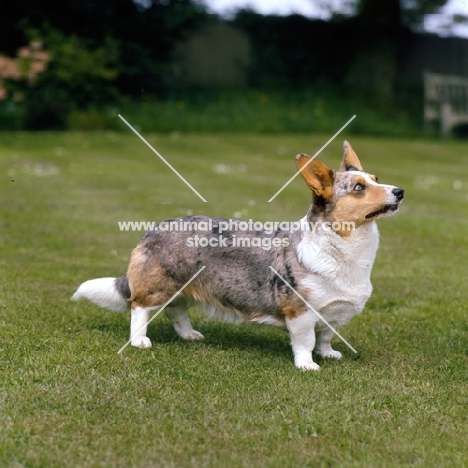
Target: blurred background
234, 65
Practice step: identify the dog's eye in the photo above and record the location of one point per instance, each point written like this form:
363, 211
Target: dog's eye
359, 187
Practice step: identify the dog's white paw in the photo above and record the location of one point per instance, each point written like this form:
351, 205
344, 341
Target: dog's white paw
331, 354
141, 342
308, 366
192, 335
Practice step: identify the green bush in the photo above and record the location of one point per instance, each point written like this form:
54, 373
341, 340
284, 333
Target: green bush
11, 116
93, 119
78, 77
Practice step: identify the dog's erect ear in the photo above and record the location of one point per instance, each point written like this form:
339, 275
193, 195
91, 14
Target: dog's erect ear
350, 160
317, 175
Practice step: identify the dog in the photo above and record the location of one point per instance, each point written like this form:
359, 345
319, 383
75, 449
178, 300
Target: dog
309, 281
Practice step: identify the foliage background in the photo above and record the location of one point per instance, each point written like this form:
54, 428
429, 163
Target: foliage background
113, 53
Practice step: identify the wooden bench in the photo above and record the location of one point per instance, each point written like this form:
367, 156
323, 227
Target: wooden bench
445, 101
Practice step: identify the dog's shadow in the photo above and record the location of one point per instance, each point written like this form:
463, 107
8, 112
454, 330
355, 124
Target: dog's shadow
269, 340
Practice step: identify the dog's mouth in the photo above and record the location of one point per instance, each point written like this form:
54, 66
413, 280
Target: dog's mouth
386, 209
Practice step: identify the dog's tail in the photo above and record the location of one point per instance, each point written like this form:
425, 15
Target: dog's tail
111, 293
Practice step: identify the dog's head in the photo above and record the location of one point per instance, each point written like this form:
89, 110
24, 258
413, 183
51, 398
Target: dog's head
349, 194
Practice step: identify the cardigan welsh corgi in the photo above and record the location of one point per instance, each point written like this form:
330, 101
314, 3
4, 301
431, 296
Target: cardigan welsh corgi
281, 277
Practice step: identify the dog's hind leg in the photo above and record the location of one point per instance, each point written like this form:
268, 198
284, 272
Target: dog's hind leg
138, 325
181, 321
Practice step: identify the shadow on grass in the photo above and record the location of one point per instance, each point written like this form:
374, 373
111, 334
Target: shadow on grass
224, 336
216, 334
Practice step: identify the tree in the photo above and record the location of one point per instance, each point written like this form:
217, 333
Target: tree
383, 26
145, 31
396, 14
99, 49
387, 13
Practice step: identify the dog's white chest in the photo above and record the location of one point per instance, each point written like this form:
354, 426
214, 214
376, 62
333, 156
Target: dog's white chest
339, 270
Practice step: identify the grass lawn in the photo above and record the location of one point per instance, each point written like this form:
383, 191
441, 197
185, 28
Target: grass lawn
235, 399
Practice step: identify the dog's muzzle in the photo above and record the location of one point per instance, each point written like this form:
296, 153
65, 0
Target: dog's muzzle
398, 193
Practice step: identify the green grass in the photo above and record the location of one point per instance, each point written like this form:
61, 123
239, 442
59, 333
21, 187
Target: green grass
317, 108
234, 400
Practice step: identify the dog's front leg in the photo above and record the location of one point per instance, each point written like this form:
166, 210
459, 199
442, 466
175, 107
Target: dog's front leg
302, 331
323, 347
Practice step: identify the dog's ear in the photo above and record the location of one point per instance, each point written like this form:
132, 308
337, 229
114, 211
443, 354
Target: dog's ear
317, 175
350, 160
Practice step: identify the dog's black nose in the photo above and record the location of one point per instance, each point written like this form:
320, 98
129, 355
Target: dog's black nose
399, 193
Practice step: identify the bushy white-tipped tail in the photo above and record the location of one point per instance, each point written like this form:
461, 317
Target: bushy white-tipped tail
103, 292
